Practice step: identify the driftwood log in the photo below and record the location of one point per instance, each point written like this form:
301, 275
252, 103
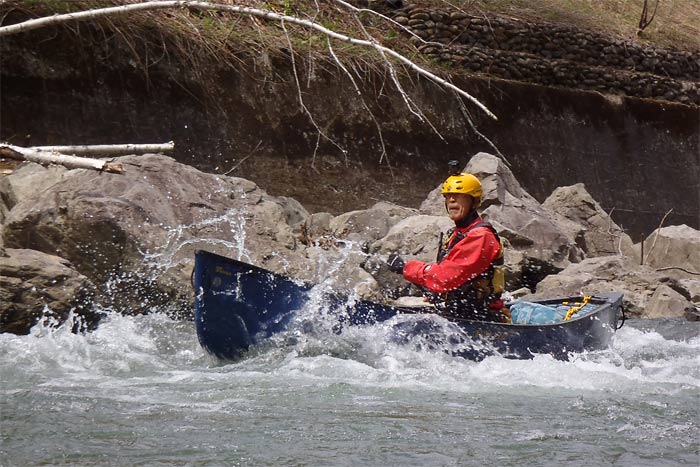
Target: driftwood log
66, 155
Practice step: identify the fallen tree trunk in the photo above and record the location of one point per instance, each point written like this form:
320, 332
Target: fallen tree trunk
109, 149
45, 158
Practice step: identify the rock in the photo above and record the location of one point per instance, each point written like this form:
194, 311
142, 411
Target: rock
692, 313
586, 224
692, 286
31, 179
295, 214
7, 198
675, 250
666, 303
135, 233
517, 294
340, 269
35, 285
416, 237
608, 274
319, 225
369, 225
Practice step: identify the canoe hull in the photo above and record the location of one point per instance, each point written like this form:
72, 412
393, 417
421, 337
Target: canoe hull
238, 305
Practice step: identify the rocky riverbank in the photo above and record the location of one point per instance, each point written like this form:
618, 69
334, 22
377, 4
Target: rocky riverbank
82, 241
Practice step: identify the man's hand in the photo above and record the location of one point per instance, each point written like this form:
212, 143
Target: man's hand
395, 263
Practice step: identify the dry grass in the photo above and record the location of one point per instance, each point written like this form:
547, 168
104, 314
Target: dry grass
202, 39
676, 24
205, 39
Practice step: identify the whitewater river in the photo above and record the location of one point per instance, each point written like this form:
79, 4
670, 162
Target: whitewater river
140, 391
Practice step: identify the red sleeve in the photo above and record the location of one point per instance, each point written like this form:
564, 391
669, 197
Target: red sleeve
469, 258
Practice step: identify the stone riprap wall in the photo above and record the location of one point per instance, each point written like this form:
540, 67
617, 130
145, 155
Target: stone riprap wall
554, 55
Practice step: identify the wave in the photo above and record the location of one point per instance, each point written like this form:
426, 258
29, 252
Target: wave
643, 359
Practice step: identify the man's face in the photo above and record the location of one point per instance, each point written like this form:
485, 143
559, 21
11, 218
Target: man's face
458, 205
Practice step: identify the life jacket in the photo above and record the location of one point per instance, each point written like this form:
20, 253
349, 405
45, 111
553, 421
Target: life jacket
480, 297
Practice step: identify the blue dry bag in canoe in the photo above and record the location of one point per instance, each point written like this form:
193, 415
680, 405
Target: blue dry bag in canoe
535, 313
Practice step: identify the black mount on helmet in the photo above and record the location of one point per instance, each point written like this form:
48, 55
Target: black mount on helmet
453, 167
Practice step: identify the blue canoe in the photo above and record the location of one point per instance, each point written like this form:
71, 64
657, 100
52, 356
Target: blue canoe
239, 305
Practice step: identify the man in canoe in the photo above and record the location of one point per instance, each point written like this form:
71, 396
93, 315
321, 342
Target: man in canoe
466, 282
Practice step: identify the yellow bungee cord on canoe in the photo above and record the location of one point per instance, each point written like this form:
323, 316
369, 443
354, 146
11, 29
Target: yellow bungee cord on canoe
575, 309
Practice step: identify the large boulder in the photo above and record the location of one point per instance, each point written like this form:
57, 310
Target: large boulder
616, 273
135, 233
586, 223
34, 285
667, 303
675, 250
30, 178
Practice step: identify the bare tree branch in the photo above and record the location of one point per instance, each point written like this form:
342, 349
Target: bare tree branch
668, 268
254, 12
109, 149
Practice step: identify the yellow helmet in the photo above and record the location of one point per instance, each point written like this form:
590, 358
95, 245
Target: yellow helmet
462, 183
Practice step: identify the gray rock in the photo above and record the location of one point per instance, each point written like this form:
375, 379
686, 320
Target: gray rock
7, 198
319, 225
34, 285
586, 223
135, 233
30, 179
134, 236
675, 249
692, 313
607, 274
416, 237
666, 303
341, 269
369, 225
692, 286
